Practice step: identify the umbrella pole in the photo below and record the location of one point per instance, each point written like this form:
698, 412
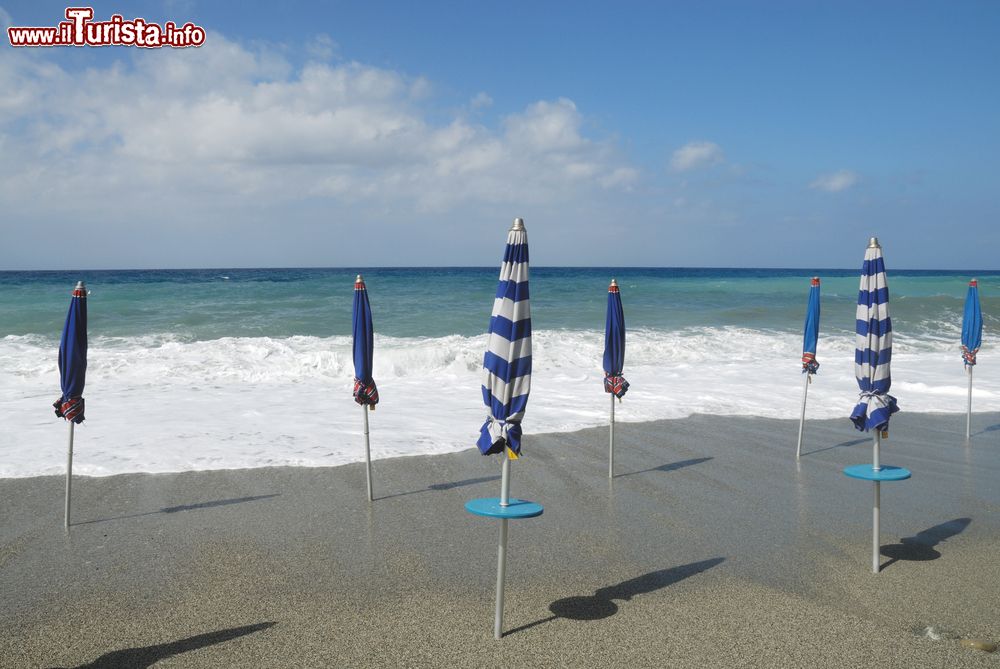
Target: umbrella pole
502, 551
876, 443
802, 418
611, 452
69, 471
875, 529
368, 453
968, 415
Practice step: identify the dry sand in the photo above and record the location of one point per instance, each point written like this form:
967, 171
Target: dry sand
712, 547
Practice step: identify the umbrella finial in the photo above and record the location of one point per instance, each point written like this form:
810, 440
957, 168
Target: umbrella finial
80, 290
518, 224
974, 283
873, 243
814, 281
613, 288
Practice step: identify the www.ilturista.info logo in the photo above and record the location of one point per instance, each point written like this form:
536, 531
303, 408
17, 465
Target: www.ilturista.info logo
81, 30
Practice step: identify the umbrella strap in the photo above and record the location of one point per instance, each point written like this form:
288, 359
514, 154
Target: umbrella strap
809, 363
969, 356
365, 394
70, 409
615, 384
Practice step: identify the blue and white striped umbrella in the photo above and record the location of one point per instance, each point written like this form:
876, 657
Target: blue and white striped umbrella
507, 362
873, 347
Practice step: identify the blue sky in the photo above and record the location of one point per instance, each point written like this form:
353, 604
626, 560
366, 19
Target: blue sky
701, 134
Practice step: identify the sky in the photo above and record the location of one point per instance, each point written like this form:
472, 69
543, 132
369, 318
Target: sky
719, 134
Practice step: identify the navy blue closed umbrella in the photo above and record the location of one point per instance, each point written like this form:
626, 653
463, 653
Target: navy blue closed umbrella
73, 375
972, 339
810, 340
365, 391
614, 361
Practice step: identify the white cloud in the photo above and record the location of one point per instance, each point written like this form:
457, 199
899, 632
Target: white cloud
225, 123
835, 181
322, 47
696, 155
481, 101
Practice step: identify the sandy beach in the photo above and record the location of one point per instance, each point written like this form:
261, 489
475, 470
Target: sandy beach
711, 547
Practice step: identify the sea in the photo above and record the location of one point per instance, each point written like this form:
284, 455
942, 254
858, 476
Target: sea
239, 368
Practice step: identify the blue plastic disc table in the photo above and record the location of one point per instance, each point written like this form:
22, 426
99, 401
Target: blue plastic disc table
516, 508
869, 473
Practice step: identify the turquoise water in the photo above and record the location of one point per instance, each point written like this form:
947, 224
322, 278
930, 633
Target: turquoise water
196, 305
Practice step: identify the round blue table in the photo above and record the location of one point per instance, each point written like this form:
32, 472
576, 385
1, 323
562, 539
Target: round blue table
868, 473
516, 508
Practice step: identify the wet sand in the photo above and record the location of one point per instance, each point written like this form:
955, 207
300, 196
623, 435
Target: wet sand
710, 547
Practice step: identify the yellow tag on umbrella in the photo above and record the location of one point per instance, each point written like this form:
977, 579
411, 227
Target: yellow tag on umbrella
885, 434
511, 454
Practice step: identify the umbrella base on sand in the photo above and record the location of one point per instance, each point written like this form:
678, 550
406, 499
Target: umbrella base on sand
870, 473
506, 508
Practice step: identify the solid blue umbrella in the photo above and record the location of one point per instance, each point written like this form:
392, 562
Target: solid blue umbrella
365, 391
972, 339
872, 357
810, 339
73, 375
614, 360
506, 385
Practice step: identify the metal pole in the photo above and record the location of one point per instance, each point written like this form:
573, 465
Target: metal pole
69, 471
875, 529
876, 443
802, 418
368, 453
968, 415
611, 452
502, 551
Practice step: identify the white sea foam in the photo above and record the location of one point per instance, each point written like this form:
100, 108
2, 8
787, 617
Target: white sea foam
162, 404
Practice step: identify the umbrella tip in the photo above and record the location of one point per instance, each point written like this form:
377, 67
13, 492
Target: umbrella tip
518, 224
613, 288
359, 279
974, 283
873, 243
815, 281
80, 290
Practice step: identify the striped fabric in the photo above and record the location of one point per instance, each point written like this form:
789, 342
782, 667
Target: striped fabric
507, 362
873, 347
972, 325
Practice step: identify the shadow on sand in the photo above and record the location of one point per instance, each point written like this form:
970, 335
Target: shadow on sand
601, 605
843, 444
183, 507
147, 656
669, 467
920, 548
448, 485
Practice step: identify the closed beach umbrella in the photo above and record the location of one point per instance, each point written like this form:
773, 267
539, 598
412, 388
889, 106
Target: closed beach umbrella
506, 384
810, 339
972, 339
872, 357
73, 375
365, 392
614, 361
873, 349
